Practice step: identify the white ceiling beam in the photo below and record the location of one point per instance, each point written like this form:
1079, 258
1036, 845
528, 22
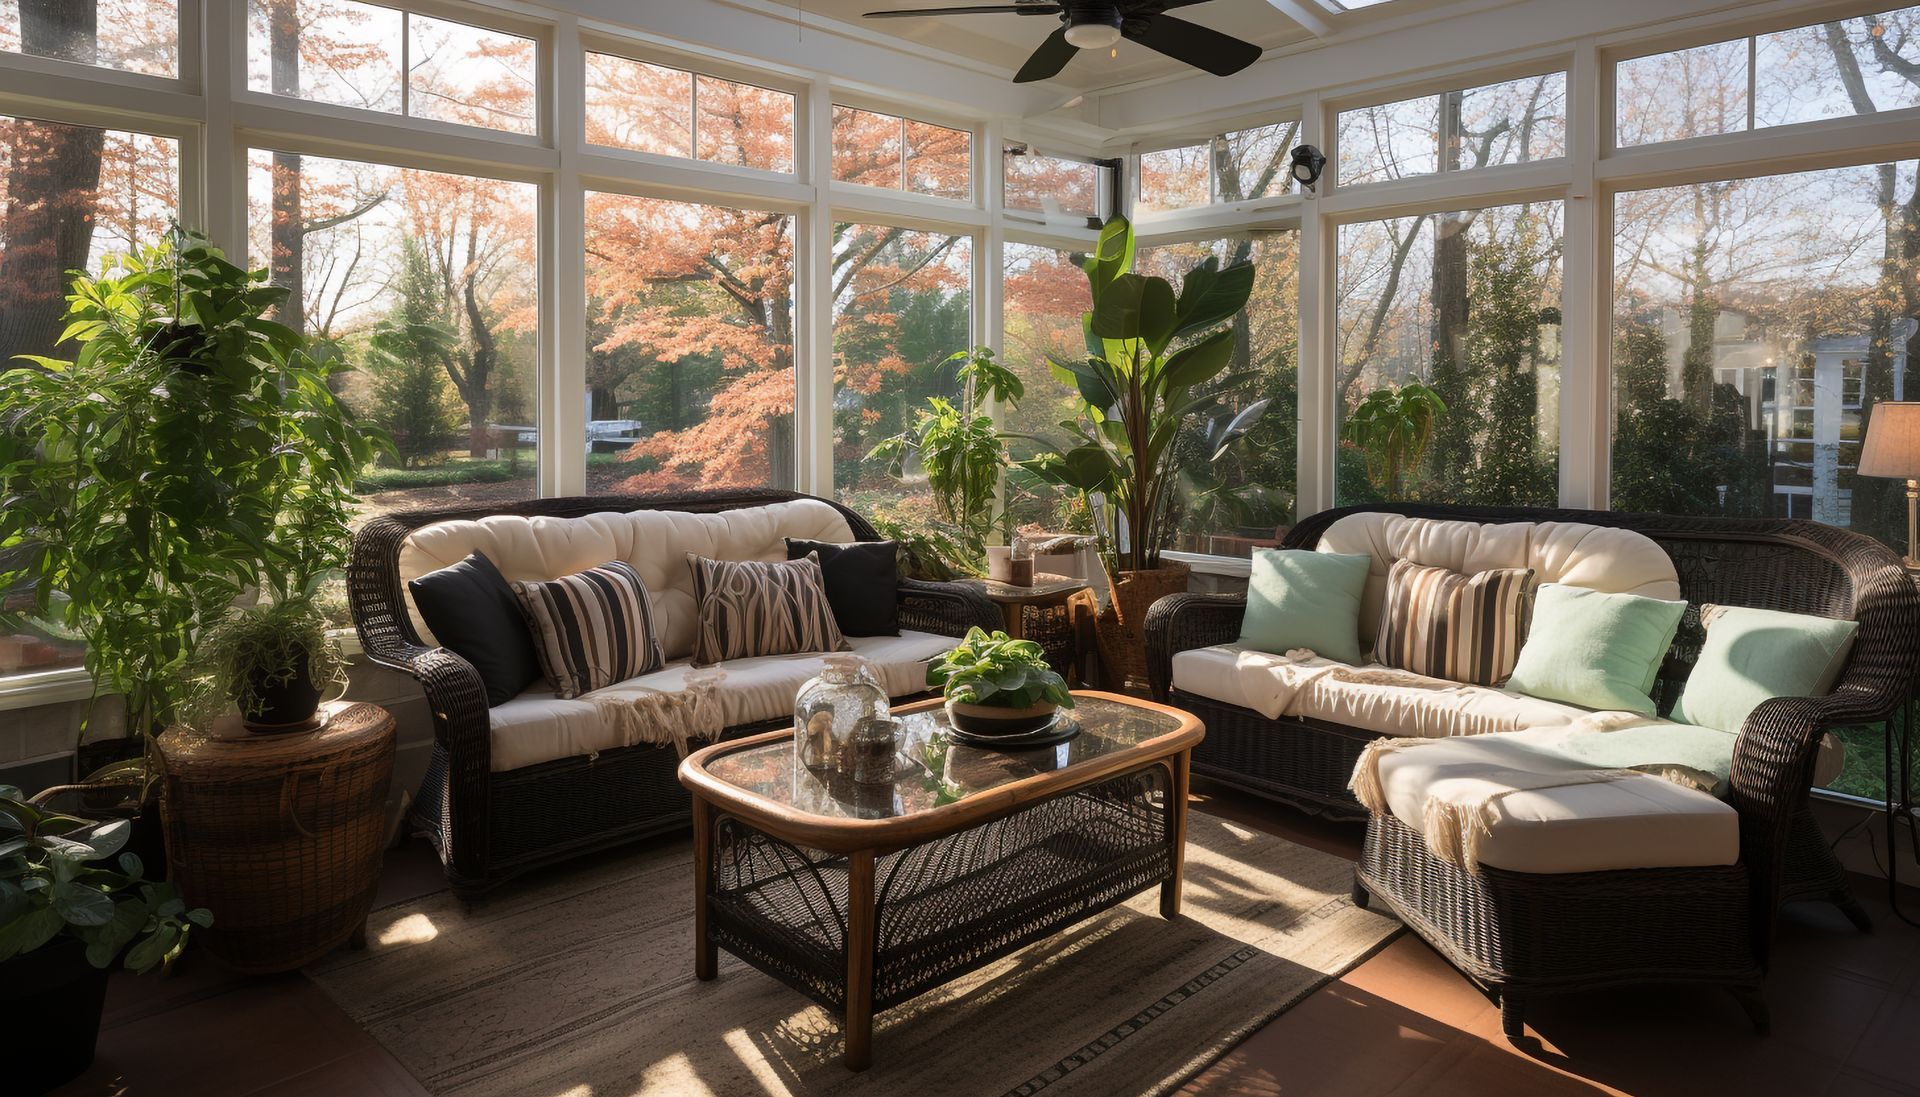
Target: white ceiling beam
1304, 13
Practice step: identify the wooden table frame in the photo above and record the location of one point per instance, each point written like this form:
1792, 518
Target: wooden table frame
864, 841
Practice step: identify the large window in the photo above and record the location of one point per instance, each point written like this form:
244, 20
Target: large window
140, 36
375, 58
1515, 122
903, 303
690, 379
884, 150
425, 281
73, 195
672, 112
1755, 323
1046, 294
1451, 320
1861, 65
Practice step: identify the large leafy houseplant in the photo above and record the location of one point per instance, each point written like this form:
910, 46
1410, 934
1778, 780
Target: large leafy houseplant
190, 455
1155, 361
1392, 427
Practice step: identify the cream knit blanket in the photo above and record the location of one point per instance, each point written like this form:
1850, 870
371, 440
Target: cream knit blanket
644, 715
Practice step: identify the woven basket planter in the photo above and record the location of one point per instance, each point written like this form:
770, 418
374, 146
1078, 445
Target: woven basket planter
1121, 630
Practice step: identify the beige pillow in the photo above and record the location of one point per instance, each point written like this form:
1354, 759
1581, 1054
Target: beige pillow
760, 607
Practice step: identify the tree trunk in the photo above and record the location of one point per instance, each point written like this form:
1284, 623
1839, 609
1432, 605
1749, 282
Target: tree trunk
54, 180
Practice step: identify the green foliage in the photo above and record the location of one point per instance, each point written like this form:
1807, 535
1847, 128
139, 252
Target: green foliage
260, 645
411, 397
962, 455
1155, 360
1392, 428
52, 883
190, 452
998, 670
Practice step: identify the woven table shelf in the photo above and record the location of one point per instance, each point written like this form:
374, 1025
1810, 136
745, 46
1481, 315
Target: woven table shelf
280, 836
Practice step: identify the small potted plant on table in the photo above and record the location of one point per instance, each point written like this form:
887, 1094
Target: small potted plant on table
65, 918
998, 687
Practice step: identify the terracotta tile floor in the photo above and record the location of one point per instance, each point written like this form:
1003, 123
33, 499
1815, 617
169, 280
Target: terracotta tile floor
1846, 1009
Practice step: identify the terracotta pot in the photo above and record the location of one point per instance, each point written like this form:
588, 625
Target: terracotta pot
997, 720
1121, 629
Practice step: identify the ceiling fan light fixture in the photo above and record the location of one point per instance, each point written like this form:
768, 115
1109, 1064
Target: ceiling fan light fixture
1094, 36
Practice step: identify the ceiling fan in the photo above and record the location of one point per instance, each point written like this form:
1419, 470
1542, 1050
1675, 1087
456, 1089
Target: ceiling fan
1094, 26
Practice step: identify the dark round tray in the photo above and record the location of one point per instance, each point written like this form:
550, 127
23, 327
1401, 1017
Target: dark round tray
1061, 728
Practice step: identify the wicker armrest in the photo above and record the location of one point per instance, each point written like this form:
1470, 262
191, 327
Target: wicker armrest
1181, 622
947, 609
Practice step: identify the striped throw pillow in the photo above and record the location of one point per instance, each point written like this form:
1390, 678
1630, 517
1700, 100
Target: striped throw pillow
1464, 628
761, 607
591, 629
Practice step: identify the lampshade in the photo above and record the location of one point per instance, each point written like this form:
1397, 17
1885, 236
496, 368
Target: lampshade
1893, 441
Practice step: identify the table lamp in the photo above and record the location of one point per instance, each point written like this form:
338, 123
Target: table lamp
1892, 450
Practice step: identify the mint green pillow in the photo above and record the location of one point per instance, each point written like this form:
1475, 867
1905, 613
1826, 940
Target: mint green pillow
1755, 654
1595, 650
1302, 599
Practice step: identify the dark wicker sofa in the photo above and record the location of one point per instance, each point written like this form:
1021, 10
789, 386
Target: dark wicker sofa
490, 827
1524, 934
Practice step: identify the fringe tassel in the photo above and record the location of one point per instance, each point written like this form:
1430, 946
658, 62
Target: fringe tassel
643, 715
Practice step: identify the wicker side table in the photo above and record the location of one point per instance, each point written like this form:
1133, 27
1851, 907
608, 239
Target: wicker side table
281, 836
1042, 613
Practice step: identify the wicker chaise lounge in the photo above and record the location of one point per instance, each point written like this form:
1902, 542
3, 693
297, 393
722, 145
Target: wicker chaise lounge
490, 824
1521, 934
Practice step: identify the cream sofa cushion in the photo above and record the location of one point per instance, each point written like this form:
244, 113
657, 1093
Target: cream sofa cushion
539, 727
1438, 709
654, 542
1635, 822
1616, 561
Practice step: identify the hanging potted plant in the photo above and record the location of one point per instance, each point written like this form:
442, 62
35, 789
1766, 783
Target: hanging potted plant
190, 454
1156, 359
72, 904
1392, 428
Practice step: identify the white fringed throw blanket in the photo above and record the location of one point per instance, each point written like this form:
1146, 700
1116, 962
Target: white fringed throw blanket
642, 714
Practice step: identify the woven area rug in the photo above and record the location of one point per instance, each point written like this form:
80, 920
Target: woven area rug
580, 982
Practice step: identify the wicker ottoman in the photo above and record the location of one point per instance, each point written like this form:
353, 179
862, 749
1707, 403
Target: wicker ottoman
280, 836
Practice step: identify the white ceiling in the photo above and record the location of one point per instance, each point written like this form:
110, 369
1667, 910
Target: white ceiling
1004, 41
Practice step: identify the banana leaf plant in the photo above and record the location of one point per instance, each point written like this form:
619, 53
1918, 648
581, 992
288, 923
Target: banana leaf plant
1393, 427
1156, 359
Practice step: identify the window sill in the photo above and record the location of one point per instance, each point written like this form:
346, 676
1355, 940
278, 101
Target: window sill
53, 687
1233, 567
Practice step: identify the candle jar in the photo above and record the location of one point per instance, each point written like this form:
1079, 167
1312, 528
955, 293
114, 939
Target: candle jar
828, 709
875, 742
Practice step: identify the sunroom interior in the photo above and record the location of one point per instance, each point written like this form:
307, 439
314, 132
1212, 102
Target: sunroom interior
1621, 299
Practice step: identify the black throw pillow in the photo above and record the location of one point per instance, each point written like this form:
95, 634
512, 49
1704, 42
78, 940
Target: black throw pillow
473, 613
863, 583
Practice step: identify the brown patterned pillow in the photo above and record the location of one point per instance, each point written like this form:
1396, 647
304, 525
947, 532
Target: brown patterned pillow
591, 629
1444, 624
761, 607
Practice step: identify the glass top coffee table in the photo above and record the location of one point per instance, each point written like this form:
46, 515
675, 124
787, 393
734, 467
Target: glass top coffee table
862, 896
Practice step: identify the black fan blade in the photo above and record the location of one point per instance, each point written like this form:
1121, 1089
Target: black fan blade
1201, 47
1048, 60
974, 9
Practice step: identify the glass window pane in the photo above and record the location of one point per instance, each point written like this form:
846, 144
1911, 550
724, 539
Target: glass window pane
1049, 184
1046, 292
425, 281
130, 35
939, 160
72, 196
1753, 322
1244, 500
690, 380
1695, 92
1512, 123
1172, 179
325, 51
1805, 74
867, 148
904, 304
634, 105
1253, 163
744, 125
1468, 305
472, 76
1389, 141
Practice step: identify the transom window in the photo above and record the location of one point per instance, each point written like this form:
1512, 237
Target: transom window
672, 112
886, 150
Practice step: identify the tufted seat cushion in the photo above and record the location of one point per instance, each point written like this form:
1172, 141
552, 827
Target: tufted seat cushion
1616, 561
654, 542
539, 727
1639, 821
